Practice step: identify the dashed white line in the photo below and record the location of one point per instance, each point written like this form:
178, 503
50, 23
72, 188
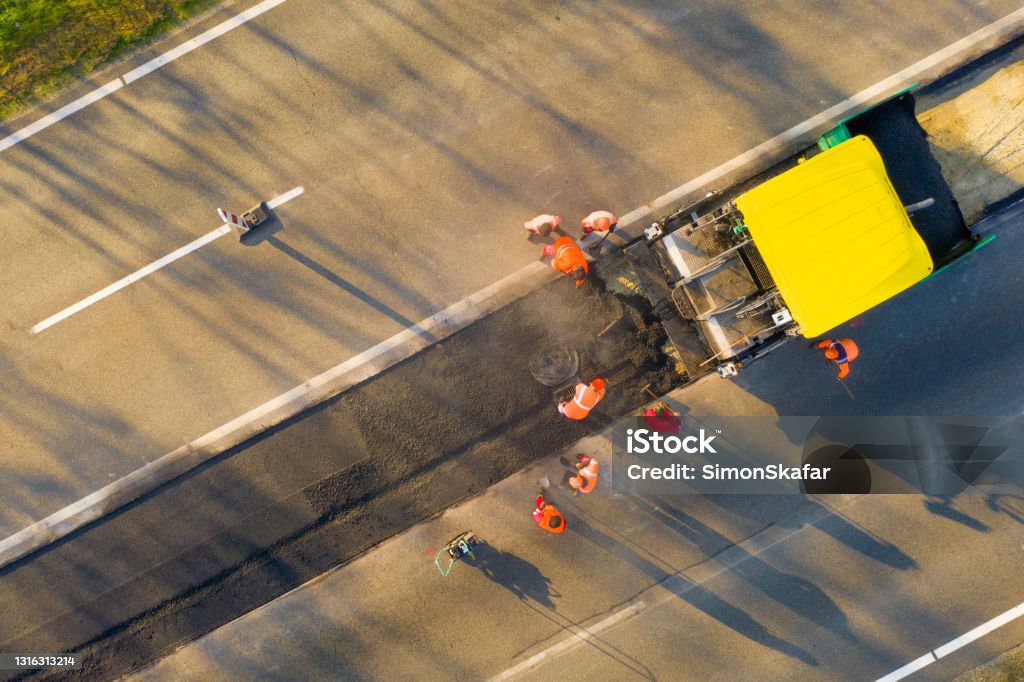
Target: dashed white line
582, 635
134, 277
152, 267
137, 73
958, 643
287, 196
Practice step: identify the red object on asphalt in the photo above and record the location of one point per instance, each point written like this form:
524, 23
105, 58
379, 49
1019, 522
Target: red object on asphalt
661, 423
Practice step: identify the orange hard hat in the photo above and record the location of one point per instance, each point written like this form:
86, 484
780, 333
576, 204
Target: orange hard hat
831, 353
597, 384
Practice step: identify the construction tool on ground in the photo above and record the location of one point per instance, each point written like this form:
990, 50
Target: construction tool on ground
596, 248
457, 548
834, 366
661, 403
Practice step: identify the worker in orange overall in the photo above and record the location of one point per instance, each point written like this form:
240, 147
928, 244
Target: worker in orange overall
547, 517
841, 352
542, 225
585, 479
584, 400
567, 257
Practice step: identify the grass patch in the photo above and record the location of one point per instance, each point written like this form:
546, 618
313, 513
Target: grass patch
45, 44
1007, 668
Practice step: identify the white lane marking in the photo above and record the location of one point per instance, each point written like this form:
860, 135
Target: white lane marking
980, 631
909, 668
135, 276
833, 113
200, 40
460, 315
958, 643
287, 196
335, 380
583, 634
153, 267
63, 112
137, 73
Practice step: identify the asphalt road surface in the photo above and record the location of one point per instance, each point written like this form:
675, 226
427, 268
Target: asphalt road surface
318, 491
296, 501
422, 135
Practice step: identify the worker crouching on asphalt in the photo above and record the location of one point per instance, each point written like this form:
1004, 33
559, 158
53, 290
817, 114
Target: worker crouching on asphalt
841, 352
542, 225
585, 479
662, 420
566, 256
584, 400
599, 221
547, 517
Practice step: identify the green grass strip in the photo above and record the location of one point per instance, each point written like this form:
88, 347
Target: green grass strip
46, 44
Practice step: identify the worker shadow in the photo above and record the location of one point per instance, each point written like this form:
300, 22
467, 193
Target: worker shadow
942, 505
776, 509
515, 574
1011, 505
791, 591
690, 592
860, 540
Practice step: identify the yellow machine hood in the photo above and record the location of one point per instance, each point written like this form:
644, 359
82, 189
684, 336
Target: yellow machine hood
835, 236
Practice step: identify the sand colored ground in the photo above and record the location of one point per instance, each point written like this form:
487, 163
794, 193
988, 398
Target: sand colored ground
978, 138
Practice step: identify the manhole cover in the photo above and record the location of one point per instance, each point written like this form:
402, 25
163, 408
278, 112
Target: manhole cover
554, 365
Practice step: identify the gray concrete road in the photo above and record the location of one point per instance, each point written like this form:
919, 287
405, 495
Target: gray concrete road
807, 593
641, 587
423, 134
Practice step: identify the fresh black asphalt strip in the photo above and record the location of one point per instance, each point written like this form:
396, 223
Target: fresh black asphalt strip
329, 484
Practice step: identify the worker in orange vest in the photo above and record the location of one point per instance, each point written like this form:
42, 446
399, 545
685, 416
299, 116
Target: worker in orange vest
567, 257
547, 517
585, 479
841, 352
599, 221
584, 400
542, 225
